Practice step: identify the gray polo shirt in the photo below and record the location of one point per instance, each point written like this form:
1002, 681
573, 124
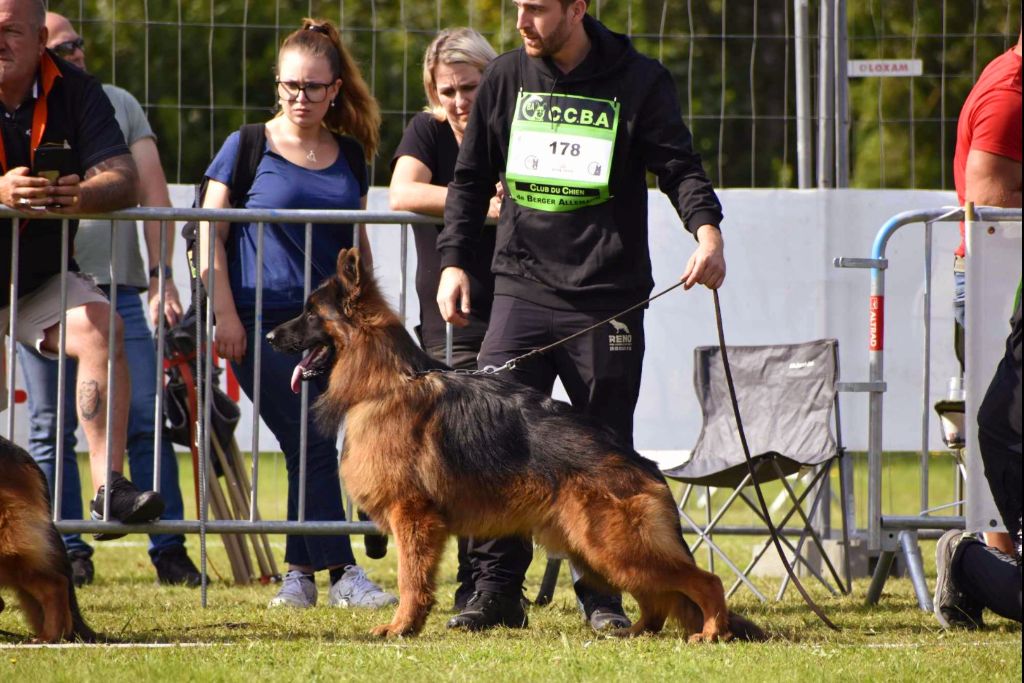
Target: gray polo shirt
92, 243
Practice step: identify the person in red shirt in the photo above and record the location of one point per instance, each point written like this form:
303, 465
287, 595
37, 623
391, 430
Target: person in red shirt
987, 164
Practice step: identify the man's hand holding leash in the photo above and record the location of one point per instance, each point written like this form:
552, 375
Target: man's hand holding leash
707, 263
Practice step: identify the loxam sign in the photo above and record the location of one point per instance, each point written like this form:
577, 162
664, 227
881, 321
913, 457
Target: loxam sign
860, 68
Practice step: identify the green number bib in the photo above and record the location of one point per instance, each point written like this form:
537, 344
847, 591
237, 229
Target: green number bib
560, 150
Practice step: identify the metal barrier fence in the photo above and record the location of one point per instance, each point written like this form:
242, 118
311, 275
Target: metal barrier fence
889, 534
168, 216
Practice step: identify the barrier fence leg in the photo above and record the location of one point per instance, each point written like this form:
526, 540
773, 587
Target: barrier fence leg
882, 569
550, 580
915, 567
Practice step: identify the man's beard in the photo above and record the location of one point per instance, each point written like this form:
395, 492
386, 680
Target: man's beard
554, 42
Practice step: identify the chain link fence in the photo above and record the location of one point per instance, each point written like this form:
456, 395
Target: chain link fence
203, 67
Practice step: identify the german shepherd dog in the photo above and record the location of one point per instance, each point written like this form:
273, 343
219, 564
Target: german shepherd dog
428, 454
32, 556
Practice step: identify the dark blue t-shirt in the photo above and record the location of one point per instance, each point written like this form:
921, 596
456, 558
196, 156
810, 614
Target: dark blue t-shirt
280, 184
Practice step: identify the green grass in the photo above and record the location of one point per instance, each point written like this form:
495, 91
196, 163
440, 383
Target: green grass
235, 638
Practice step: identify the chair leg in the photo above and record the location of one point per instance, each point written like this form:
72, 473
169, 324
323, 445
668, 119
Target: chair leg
797, 558
708, 526
882, 569
815, 505
725, 558
798, 501
548, 583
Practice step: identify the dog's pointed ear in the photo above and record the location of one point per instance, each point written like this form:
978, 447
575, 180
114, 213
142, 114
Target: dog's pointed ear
349, 268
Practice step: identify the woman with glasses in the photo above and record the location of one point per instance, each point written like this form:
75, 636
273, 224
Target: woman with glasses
315, 158
422, 167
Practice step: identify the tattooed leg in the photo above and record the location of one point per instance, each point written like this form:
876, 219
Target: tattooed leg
87, 341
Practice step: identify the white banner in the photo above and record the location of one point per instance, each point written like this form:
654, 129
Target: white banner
993, 271
862, 68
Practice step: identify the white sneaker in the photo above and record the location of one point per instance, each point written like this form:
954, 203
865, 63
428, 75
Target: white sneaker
297, 590
355, 589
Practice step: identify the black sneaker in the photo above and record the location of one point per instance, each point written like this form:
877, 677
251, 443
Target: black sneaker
128, 505
486, 610
952, 608
175, 568
604, 612
82, 569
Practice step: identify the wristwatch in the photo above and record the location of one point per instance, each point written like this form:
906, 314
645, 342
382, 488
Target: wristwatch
154, 272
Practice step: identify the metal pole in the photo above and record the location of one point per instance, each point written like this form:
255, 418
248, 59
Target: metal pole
403, 279
826, 99
926, 364
257, 365
161, 328
803, 96
62, 373
12, 329
875, 375
204, 397
842, 92
304, 406
111, 344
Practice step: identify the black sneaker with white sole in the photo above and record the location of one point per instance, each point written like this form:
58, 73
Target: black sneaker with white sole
128, 505
952, 607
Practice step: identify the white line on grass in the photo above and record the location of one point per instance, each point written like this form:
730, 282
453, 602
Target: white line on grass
123, 646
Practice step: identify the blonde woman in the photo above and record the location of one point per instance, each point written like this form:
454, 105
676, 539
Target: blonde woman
422, 166
315, 155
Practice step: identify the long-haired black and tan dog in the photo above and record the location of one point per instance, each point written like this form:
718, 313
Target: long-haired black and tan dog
32, 557
432, 454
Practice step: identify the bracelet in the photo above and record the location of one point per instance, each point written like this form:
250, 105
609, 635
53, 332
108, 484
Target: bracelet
154, 272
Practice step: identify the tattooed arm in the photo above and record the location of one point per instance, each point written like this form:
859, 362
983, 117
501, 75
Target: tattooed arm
109, 185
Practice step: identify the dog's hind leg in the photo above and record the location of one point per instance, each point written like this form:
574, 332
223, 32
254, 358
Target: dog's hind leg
654, 609
635, 544
420, 535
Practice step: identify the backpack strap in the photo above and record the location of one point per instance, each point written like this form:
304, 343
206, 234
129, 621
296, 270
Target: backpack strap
251, 142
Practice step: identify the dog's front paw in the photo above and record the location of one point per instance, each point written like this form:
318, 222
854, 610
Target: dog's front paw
392, 630
710, 636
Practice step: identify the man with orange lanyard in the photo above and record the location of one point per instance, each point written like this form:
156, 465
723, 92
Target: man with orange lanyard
46, 103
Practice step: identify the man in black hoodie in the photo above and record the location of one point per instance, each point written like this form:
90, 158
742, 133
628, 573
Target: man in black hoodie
570, 124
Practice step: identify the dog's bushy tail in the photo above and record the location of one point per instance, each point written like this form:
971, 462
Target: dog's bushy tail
744, 629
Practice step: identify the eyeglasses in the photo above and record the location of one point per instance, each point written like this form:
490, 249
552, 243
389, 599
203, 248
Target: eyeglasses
315, 92
68, 47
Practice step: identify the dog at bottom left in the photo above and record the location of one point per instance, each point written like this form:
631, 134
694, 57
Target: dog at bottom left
33, 561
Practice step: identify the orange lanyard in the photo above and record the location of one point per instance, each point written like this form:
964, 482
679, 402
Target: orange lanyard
49, 73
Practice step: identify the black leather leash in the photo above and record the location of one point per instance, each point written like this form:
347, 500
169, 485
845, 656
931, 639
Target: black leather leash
753, 475
512, 362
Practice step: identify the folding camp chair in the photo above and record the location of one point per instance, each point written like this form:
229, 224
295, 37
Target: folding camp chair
788, 400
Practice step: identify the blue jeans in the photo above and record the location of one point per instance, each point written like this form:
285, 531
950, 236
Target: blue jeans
281, 411
41, 381
959, 291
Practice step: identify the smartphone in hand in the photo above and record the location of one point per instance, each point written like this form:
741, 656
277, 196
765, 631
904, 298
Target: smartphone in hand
53, 161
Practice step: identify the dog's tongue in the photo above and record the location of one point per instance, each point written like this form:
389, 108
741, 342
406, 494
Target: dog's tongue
297, 372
